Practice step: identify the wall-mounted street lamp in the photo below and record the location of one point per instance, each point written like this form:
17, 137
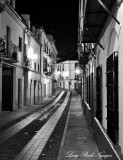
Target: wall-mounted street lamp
77, 71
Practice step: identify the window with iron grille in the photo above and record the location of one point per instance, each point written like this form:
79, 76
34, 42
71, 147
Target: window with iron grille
44, 45
8, 39
44, 64
87, 87
99, 93
112, 97
35, 66
20, 44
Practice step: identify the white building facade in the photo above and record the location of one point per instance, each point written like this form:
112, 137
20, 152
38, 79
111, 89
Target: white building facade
102, 79
24, 77
11, 61
48, 61
32, 69
66, 74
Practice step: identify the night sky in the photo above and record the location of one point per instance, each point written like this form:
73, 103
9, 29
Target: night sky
57, 17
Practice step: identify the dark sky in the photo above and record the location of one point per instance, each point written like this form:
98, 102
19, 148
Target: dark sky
59, 17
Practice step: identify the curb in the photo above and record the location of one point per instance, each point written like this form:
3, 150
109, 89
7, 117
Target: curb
64, 134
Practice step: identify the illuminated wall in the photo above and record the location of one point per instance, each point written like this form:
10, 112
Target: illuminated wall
32, 81
112, 41
65, 74
16, 27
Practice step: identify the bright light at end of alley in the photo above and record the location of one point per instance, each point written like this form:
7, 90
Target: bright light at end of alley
77, 71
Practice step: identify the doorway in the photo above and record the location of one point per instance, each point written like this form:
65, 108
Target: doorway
35, 91
7, 88
19, 93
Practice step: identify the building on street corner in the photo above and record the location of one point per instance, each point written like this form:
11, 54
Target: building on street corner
66, 74
27, 60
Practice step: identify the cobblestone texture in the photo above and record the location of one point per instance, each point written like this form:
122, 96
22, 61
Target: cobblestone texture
6, 126
10, 148
51, 149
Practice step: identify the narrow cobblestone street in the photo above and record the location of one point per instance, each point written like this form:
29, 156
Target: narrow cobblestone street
52, 133
17, 136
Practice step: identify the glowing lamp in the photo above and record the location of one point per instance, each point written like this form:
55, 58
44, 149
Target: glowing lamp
77, 71
58, 72
31, 55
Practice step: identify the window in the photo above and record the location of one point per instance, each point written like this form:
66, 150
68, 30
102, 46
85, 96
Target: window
35, 66
20, 44
63, 67
112, 97
25, 49
99, 93
76, 65
44, 64
8, 39
44, 45
38, 68
88, 86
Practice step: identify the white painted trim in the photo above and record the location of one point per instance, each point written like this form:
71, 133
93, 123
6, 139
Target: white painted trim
109, 141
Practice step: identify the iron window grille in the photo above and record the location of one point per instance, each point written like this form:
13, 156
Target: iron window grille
112, 97
99, 93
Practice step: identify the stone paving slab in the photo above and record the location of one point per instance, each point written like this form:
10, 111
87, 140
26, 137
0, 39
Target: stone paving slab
78, 141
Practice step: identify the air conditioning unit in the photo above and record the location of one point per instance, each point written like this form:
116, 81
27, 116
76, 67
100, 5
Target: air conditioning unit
15, 55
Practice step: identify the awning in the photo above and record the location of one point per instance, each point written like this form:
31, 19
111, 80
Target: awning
95, 18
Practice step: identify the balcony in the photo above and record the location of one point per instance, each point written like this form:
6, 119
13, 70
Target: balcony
27, 63
48, 73
10, 53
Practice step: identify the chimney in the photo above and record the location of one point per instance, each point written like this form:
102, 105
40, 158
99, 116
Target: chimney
36, 33
26, 18
13, 3
40, 34
33, 29
39, 38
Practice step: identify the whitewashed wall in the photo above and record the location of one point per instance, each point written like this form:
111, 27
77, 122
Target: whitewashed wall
112, 40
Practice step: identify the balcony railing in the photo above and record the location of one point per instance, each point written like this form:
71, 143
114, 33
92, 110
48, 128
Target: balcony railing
27, 63
10, 53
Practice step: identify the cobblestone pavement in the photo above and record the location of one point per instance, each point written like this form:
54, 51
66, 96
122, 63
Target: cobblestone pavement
14, 143
51, 148
62, 133
8, 119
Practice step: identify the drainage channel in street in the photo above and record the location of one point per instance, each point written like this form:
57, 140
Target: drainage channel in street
51, 149
12, 146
